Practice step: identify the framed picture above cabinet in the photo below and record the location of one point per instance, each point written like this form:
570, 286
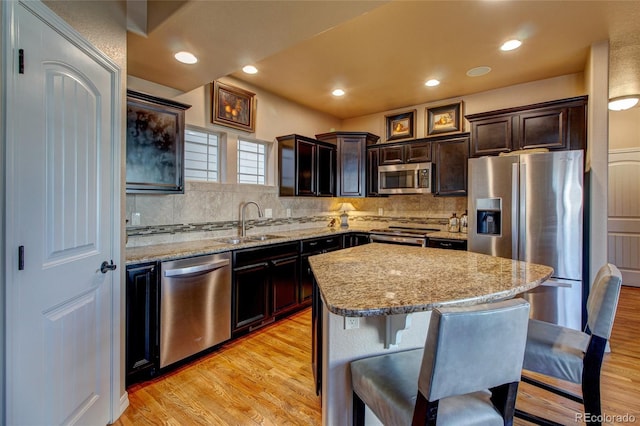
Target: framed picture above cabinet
155, 144
233, 107
444, 120
401, 126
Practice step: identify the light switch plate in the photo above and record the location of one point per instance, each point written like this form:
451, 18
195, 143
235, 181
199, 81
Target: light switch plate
268, 213
135, 219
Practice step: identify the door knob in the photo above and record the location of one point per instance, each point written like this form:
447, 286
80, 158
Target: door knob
107, 267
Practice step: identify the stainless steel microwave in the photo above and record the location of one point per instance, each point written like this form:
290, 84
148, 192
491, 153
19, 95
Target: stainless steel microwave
405, 179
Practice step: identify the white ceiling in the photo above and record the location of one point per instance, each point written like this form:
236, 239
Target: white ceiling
380, 52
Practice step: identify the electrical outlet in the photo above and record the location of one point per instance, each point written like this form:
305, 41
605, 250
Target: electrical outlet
268, 213
351, 322
380, 211
135, 219
288, 212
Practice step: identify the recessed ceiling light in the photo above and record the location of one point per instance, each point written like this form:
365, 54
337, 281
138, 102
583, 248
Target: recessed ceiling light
622, 103
478, 71
510, 45
338, 92
431, 83
250, 69
186, 57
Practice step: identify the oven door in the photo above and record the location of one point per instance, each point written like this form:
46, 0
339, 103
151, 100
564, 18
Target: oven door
400, 240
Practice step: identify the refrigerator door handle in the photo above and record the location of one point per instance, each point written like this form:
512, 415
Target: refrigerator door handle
514, 211
552, 282
522, 214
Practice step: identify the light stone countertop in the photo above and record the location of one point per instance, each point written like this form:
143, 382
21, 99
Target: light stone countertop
170, 251
386, 279
448, 235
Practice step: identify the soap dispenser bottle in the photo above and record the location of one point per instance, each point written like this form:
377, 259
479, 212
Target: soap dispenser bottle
454, 223
464, 223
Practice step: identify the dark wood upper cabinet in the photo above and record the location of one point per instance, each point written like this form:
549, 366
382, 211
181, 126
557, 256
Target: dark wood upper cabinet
418, 152
351, 160
373, 155
491, 136
392, 154
326, 170
450, 172
306, 167
555, 125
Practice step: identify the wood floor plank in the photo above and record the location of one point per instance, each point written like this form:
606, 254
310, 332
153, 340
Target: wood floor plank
265, 378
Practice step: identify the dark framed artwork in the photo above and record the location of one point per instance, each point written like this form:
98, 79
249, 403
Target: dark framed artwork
155, 144
233, 107
444, 120
401, 126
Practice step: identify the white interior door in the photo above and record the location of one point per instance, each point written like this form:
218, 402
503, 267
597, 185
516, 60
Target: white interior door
62, 129
624, 214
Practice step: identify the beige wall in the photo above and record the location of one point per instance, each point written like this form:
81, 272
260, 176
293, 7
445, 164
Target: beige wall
523, 94
275, 116
624, 129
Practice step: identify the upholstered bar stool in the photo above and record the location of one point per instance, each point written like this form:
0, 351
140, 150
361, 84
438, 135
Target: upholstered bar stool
467, 373
573, 355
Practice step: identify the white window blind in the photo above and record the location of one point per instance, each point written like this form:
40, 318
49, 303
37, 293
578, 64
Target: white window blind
201, 159
252, 162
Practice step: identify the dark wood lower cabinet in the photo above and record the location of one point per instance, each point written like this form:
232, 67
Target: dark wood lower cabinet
265, 285
250, 285
269, 282
309, 248
142, 350
355, 239
445, 243
285, 283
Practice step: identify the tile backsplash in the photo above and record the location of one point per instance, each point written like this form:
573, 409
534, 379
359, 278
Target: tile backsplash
209, 209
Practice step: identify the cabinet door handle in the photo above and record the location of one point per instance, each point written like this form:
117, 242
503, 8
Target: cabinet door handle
279, 261
313, 244
253, 266
446, 244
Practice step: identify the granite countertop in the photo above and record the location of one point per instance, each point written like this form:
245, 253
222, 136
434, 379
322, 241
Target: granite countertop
385, 279
448, 235
170, 251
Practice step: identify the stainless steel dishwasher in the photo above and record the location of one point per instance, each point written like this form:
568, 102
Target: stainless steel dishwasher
195, 305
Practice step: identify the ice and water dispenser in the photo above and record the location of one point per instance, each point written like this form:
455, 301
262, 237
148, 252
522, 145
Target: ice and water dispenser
489, 215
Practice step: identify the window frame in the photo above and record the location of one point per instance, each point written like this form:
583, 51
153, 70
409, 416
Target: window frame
266, 146
218, 155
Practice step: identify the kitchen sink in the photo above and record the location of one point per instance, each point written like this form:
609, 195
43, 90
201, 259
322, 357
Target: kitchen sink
233, 240
262, 237
239, 240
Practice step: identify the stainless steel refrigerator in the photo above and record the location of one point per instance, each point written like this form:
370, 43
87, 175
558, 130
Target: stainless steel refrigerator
530, 207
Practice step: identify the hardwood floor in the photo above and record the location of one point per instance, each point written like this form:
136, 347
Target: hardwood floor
265, 378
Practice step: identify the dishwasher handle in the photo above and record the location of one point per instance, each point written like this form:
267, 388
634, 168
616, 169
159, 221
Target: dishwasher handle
197, 269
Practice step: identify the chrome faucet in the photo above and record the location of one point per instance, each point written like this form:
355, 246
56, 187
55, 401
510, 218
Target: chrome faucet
244, 228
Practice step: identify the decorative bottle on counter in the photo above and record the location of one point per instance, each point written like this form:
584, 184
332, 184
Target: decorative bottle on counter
454, 223
464, 223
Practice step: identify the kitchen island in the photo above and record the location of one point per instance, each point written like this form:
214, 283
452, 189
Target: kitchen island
377, 299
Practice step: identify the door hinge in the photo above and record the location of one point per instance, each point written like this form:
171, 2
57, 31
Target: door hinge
21, 258
21, 61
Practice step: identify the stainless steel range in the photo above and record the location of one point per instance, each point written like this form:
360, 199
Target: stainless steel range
408, 236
